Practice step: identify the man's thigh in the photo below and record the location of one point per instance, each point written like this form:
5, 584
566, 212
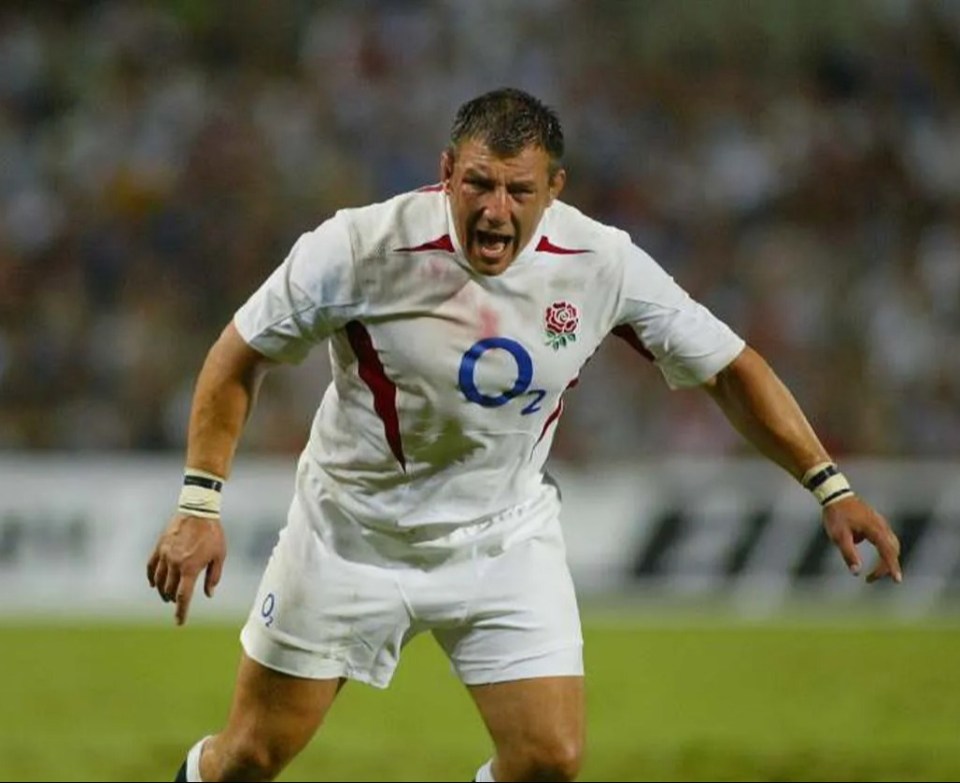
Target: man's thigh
277, 709
543, 714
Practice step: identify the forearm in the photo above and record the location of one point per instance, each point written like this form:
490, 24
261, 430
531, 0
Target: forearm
764, 411
224, 396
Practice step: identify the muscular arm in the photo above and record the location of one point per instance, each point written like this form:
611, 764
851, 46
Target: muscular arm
223, 398
764, 411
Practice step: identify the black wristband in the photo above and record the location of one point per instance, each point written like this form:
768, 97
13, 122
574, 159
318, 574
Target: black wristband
820, 476
192, 480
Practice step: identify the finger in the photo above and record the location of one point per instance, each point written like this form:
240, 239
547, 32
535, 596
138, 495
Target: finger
889, 548
160, 577
212, 579
848, 550
881, 570
170, 583
152, 566
893, 561
184, 594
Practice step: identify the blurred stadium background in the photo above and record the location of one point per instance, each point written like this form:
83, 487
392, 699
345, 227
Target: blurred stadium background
795, 165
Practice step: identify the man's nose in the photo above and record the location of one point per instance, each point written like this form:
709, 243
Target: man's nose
496, 207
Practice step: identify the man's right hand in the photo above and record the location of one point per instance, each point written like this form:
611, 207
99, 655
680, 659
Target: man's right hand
188, 546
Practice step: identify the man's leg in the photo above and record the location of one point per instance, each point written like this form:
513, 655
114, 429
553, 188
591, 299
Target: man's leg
272, 717
537, 726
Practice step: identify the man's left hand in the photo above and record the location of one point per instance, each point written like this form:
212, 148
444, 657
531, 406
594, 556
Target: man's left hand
850, 521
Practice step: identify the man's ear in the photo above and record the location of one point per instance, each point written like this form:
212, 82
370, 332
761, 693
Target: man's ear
557, 182
446, 168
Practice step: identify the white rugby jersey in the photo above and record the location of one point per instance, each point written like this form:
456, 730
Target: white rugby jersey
447, 384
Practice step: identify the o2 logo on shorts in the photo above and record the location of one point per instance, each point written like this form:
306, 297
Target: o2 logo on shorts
267, 607
467, 376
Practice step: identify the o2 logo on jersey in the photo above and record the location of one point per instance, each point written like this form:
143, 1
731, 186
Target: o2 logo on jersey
267, 607
468, 367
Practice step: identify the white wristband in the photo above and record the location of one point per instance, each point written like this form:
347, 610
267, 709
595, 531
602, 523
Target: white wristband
827, 483
200, 494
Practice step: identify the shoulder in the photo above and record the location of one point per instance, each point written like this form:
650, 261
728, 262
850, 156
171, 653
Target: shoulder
607, 253
406, 220
568, 225
568, 231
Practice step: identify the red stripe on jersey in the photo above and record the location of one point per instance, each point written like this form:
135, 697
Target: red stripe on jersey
546, 246
440, 243
626, 333
430, 188
384, 390
550, 420
555, 414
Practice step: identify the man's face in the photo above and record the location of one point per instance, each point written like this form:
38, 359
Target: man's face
497, 202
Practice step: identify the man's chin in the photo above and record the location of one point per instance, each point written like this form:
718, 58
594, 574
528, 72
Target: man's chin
490, 267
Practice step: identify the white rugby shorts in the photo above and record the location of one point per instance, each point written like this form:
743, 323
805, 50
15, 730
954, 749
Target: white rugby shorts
340, 600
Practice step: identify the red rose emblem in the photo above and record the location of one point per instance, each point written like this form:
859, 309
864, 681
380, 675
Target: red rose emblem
562, 318
561, 321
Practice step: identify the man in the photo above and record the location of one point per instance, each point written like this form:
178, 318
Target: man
457, 316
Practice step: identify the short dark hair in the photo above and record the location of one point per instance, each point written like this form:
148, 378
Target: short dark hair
508, 120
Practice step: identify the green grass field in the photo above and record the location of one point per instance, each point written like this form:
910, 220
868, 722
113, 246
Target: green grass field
667, 701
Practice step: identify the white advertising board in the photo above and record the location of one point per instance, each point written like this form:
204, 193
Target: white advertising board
76, 531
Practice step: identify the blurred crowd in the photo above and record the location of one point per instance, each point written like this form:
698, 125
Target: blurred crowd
794, 165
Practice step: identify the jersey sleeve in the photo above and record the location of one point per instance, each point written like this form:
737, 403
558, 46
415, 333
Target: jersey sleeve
688, 343
308, 297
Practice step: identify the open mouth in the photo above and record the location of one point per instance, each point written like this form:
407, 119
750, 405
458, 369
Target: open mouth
492, 244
